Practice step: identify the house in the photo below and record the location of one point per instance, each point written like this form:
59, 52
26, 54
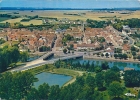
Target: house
32, 40
85, 46
59, 45
89, 41
110, 51
58, 31
126, 48
75, 46
126, 27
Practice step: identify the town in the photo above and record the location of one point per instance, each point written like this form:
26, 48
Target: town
75, 39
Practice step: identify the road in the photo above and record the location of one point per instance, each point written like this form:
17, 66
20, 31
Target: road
40, 62
131, 41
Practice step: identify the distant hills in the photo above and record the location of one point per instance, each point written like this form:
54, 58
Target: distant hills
34, 8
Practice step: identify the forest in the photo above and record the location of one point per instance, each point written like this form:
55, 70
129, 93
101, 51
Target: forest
132, 23
105, 84
9, 56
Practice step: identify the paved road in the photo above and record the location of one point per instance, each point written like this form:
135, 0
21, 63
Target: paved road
40, 62
131, 41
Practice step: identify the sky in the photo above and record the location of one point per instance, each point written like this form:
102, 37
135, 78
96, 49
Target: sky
71, 3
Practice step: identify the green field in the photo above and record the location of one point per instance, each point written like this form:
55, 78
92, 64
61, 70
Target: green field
9, 43
12, 21
3, 19
138, 44
95, 15
60, 14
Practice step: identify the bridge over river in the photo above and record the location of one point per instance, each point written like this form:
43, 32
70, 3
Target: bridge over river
40, 62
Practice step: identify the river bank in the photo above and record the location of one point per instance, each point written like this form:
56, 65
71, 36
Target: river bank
111, 59
61, 71
68, 72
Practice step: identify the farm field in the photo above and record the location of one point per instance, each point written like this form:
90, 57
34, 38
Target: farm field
75, 15
3, 19
34, 21
95, 15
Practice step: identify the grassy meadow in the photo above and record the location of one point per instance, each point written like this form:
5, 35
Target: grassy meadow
95, 15
3, 19
34, 21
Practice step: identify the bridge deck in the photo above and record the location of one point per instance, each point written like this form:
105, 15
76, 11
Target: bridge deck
40, 62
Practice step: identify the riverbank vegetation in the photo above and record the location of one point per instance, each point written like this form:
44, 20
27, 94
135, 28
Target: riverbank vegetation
9, 56
104, 85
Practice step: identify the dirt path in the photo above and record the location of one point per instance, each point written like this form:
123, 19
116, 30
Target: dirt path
74, 78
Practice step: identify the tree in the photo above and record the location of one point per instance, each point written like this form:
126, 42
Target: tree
22, 83
132, 78
54, 90
97, 96
14, 54
102, 55
115, 55
15, 86
43, 48
32, 94
125, 56
133, 53
71, 46
58, 64
133, 48
115, 69
24, 56
104, 66
98, 54
43, 91
118, 50
106, 55
134, 57
8, 55
72, 51
99, 80
80, 80
138, 95
138, 57
120, 56
111, 76
2, 41
115, 89
90, 81
65, 50
97, 69
6, 85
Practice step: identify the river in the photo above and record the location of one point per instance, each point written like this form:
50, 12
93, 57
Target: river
120, 65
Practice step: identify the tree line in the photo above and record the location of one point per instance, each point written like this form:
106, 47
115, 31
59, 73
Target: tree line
132, 23
9, 16
96, 24
19, 85
11, 55
85, 66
